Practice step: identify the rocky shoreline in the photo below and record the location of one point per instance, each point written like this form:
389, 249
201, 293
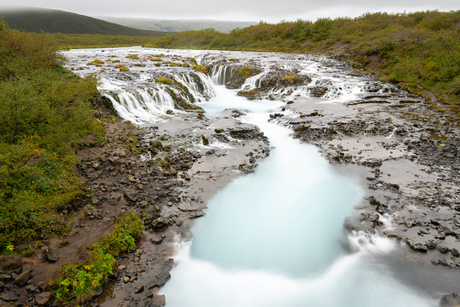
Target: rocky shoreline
406, 153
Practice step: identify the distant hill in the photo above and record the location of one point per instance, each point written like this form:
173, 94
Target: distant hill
178, 25
54, 21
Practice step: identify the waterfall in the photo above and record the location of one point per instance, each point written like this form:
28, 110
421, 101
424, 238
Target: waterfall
221, 74
141, 106
200, 92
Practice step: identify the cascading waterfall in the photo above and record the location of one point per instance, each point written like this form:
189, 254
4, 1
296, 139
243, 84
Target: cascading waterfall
220, 74
274, 237
142, 106
199, 95
151, 104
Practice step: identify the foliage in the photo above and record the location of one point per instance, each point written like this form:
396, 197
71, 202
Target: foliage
201, 68
420, 50
43, 108
132, 56
81, 280
9, 249
122, 67
165, 80
246, 71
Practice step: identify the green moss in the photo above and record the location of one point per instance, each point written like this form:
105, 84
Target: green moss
205, 140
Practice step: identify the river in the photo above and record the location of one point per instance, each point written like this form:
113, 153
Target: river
274, 237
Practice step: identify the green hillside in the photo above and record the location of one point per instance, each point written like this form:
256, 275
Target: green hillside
178, 25
54, 21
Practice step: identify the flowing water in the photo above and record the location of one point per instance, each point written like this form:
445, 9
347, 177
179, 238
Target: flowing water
274, 237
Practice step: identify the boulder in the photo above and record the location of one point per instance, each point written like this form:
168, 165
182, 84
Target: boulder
418, 246
131, 271
9, 296
27, 268
156, 239
44, 298
450, 300
161, 279
22, 278
139, 289
51, 254
5, 277
158, 301
159, 223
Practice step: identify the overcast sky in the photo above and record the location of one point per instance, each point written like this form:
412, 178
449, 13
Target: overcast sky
242, 10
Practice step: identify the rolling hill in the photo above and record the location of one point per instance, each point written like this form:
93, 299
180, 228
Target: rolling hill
178, 25
55, 21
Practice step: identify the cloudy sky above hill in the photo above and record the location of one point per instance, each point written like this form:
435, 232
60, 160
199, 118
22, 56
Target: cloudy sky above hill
238, 10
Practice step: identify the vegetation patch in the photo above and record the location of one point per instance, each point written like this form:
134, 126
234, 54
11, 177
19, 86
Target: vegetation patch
132, 56
80, 280
201, 68
165, 80
245, 72
122, 67
44, 109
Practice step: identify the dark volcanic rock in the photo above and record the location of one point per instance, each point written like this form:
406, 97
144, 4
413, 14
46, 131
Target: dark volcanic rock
22, 278
51, 254
451, 300
159, 223
43, 299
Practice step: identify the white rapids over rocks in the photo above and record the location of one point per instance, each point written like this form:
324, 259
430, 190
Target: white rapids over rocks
274, 237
